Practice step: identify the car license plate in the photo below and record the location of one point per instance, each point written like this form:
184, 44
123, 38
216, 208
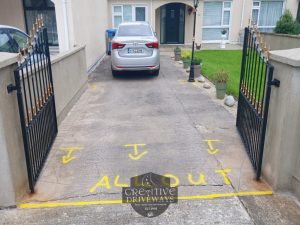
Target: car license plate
135, 50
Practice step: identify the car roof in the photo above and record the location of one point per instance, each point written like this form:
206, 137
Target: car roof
10, 27
134, 23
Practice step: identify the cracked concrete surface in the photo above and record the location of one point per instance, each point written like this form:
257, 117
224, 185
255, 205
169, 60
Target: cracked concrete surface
173, 119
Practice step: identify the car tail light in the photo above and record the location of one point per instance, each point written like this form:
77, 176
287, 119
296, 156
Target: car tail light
116, 45
153, 45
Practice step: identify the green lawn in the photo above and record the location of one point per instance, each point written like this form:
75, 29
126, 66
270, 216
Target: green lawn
229, 60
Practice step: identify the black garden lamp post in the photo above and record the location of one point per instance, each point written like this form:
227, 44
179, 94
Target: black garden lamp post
192, 74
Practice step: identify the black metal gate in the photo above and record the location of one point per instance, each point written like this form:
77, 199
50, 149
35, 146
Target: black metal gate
34, 86
254, 96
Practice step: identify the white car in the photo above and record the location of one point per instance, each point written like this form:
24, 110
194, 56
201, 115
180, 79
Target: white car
135, 48
12, 39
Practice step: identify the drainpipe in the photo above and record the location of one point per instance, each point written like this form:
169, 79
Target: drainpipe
66, 22
243, 12
151, 14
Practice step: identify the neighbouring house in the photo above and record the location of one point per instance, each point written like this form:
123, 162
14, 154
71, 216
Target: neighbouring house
76, 22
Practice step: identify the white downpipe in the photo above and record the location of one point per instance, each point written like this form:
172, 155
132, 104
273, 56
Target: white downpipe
243, 12
151, 19
66, 23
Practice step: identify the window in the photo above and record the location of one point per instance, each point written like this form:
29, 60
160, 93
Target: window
266, 13
5, 45
33, 8
134, 30
128, 13
19, 37
216, 17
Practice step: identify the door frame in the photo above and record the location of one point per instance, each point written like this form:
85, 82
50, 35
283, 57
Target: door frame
163, 31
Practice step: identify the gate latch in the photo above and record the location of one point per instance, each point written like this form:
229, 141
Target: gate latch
275, 82
11, 88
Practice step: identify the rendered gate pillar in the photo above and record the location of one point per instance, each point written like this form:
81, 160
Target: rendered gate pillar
13, 173
281, 164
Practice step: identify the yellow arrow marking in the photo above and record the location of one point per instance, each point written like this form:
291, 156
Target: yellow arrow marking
136, 155
93, 87
182, 81
68, 158
211, 149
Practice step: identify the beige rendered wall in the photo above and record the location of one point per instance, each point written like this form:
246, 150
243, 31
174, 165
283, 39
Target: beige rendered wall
88, 23
281, 162
13, 173
292, 5
69, 79
12, 14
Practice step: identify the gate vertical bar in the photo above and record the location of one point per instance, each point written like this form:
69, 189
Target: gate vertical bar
245, 47
50, 72
24, 130
265, 117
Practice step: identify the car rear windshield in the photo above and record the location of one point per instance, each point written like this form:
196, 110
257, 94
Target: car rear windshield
134, 30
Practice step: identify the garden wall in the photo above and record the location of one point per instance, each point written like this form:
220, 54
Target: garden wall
282, 41
281, 165
70, 81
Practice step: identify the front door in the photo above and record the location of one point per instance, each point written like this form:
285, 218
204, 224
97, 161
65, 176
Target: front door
172, 23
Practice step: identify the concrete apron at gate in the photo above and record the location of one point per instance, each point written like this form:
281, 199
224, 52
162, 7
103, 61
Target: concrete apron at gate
137, 124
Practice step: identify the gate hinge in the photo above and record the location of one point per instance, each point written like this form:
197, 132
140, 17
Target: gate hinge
11, 88
275, 82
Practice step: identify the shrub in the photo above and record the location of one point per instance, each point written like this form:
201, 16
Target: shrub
221, 76
287, 25
186, 54
197, 61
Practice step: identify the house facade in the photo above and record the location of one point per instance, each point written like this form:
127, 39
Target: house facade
173, 20
76, 22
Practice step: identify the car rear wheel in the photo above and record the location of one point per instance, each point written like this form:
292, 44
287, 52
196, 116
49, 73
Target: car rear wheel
155, 72
115, 73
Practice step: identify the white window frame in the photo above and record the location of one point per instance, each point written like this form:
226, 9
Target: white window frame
258, 17
222, 25
116, 14
133, 7
257, 8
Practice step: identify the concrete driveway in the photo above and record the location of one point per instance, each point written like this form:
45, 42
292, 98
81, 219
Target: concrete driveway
137, 124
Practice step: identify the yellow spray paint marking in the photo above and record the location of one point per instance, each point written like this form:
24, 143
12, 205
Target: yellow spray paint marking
103, 182
93, 87
201, 180
68, 158
211, 149
113, 202
182, 81
176, 179
224, 175
136, 155
117, 184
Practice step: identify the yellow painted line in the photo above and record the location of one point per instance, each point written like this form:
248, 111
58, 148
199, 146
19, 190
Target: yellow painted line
223, 195
114, 202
